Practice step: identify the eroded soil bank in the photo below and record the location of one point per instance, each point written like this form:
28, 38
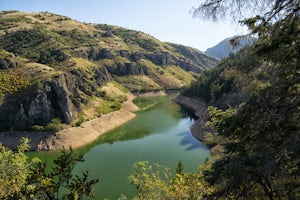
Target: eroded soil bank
199, 108
73, 136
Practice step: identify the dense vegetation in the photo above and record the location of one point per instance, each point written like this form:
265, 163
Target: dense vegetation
21, 178
239, 73
157, 182
259, 155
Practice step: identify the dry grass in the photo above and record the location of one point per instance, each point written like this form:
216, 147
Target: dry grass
89, 111
111, 91
82, 63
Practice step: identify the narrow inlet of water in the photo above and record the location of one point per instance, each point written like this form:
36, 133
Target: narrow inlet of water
160, 134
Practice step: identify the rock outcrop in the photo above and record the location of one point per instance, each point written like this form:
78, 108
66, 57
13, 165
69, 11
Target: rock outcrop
73, 136
53, 98
127, 69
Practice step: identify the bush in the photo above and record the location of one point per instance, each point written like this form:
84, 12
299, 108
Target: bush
54, 126
38, 128
11, 82
80, 120
24, 178
154, 181
107, 107
210, 139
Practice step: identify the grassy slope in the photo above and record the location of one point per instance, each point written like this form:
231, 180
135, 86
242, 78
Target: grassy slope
35, 47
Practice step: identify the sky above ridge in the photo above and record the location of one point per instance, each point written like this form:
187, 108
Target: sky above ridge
167, 20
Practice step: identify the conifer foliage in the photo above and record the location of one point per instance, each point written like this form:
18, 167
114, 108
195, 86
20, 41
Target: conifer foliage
262, 149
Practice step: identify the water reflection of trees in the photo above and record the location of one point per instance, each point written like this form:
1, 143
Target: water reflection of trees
190, 141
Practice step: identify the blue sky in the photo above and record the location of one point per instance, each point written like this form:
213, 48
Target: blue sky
167, 20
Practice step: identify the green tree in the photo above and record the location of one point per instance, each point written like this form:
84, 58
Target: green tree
20, 179
14, 171
262, 151
179, 168
240, 9
156, 182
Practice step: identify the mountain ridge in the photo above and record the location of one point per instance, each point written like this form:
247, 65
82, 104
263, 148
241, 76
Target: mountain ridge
58, 71
229, 45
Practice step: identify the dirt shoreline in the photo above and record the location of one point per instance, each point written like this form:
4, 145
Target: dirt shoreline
76, 137
199, 108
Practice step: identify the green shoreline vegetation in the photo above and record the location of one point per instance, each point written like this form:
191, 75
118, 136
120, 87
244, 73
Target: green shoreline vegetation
144, 103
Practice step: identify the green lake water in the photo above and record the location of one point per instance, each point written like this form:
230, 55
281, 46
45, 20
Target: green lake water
159, 135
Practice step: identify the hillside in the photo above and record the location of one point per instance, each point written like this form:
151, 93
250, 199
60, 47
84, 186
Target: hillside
229, 45
55, 70
249, 116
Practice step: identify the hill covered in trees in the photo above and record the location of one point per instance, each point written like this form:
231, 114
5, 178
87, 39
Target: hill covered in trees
253, 125
57, 70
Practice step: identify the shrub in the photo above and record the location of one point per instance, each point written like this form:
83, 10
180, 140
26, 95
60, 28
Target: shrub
38, 128
54, 126
80, 120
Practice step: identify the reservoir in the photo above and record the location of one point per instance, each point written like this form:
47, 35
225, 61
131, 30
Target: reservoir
159, 134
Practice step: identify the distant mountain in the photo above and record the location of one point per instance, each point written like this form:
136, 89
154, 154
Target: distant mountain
229, 45
54, 69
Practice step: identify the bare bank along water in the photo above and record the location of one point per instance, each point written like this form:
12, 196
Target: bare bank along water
159, 134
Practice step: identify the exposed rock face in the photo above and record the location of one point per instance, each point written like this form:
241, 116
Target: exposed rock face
158, 58
71, 137
132, 68
108, 33
60, 90
7, 63
127, 69
97, 54
102, 76
136, 56
162, 58
40, 109
54, 98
